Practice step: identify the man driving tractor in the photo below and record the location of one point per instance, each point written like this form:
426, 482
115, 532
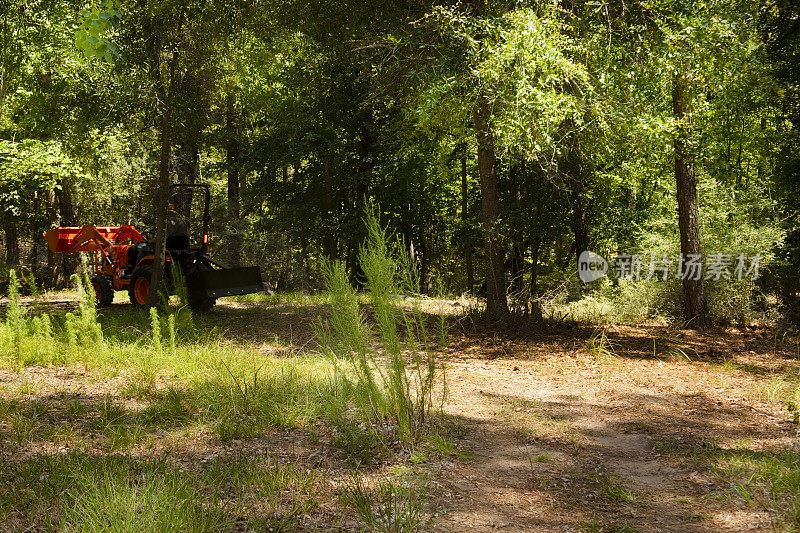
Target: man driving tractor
123, 259
177, 230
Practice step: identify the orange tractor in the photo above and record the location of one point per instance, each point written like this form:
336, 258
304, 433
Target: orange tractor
123, 259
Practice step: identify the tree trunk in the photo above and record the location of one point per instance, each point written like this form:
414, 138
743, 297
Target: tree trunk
162, 198
517, 259
517, 264
464, 218
232, 163
571, 166
535, 303
306, 262
579, 220
12, 243
496, 302
694, 301
33, 256
424, 281
330, 208
53, 273
535, 246
67, 218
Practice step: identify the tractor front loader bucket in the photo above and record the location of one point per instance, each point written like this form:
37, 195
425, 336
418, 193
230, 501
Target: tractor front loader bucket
223, 282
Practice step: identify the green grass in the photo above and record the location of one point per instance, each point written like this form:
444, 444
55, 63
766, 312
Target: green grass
234, 389
283, 298
593, 526
599, 347
184, 374
160, 503
611, 487
233, 400
86, 493
390, 507
762, 479
163, 377
385, 365
770, 479
443, 447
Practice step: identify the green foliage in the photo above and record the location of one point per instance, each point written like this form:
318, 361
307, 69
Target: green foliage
39, 339
783, 278
30, 168
392, 388
518, 60
98, 22
313, 110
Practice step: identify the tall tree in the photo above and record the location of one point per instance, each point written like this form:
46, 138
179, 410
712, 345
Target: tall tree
466, 240
496, 302
694, 298
232, 156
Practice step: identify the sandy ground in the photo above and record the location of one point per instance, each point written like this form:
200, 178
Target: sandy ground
567, 440
567, 428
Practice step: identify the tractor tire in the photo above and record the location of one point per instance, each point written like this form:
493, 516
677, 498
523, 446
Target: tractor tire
139, 289
203, 305
103, 290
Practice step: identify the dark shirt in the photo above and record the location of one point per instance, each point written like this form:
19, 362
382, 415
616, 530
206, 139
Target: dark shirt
176, 226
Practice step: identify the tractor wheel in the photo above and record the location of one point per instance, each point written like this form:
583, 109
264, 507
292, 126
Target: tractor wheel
203, 305
139, 289
103, 290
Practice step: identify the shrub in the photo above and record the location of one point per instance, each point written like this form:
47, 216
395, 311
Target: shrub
385, 368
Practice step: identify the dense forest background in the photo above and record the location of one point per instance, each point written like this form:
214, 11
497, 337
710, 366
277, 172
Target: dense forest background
500, 139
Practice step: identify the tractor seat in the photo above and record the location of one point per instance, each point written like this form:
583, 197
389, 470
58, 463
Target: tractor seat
135, 254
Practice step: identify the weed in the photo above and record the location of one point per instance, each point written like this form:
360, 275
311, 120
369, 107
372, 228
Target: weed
772, 479
625, 528
600, 347
793, 404
774, 390
592, 526
66, 434
75, 407
390, 508
38, 339
361, 444
155, 329
611, 487
619, 493
266, 478
672, 350
79, 492
445, 448
391, 386
729, 365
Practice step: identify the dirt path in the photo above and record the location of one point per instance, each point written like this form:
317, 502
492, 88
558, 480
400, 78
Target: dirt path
564, 441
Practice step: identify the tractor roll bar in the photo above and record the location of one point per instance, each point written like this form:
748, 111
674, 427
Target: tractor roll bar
207, 197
